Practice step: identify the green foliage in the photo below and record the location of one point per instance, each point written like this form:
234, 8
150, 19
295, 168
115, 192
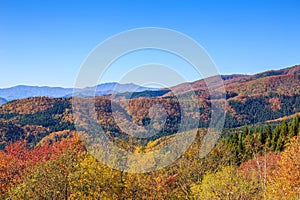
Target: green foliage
147, 93
294, 127
246, 144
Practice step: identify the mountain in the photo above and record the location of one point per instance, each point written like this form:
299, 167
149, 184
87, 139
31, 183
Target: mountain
251, 99
20, 92
109, 88
2, 101
285, 81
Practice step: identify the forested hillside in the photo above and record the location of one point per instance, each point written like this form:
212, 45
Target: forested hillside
246, 164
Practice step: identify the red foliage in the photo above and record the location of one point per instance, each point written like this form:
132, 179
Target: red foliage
260, 166
17, 158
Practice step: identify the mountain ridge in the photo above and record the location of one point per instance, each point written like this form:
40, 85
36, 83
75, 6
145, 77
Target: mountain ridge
274, 78
230, 82
26, 91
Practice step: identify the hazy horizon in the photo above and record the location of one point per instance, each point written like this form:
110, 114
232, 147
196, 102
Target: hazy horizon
151, 86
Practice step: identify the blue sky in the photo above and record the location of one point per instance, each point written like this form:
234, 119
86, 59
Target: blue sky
45, 42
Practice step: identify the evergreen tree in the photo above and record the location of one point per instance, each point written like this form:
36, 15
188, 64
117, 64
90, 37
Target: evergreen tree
280, 143
284, 129
294, 127
268, 143
262, 137
255, 130
249, 146
268, 133
275, 137
241, 144
246, 131
234, 140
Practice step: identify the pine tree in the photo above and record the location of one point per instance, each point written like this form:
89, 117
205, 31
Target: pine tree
268, 143
275, 137
241, 144
234, 140
280, 143
262, 137
268, 133
246, 131
255, 130
284, 129
294, 127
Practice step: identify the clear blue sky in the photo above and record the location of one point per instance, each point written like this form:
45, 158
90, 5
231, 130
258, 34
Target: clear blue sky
44, 42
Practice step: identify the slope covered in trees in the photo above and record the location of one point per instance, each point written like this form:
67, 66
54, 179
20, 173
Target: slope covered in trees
34, 118
242, 165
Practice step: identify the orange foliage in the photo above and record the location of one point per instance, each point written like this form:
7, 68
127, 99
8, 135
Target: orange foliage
28, 106
284, 183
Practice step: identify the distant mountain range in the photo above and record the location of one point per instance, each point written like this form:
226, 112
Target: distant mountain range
282, 82
22, 91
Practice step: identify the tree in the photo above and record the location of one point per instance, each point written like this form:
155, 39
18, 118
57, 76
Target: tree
294, 127
246, 131
92, 180
259, 168
262, 136
268, 133
10, 173
228, 183
275, 137
48, 178
284, 182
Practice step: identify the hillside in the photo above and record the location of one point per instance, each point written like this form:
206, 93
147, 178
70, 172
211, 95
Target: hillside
62, 166
285, 81
254, 98
250, 99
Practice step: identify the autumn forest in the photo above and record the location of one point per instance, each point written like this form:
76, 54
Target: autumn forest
43, 156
